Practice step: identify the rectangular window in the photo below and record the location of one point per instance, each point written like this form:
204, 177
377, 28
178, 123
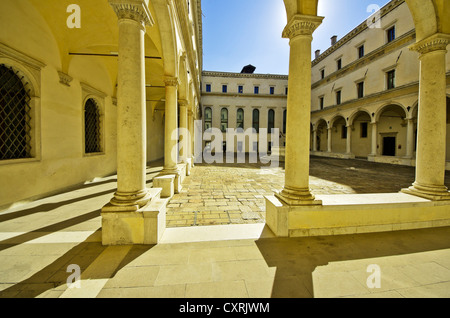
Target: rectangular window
286, 90
339, 64
391, 79
344, 132
256, 90
360, 88
224, 88
272, 90
208, 88
338, 97
364, 130
391, 34
321, 103
361, 51
322, 74
240, 89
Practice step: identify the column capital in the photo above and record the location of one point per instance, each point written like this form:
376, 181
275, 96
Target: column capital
436, 42
136, 10
301, 25
171, 81
183, 102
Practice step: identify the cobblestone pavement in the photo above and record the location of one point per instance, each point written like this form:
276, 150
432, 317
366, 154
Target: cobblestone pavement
234, 193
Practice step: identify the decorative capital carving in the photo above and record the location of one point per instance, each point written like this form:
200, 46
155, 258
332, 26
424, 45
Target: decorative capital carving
64, 78
301, 25
171, 81
135, 10
436, 42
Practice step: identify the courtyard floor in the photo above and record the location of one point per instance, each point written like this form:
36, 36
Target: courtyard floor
234, 193
43, 240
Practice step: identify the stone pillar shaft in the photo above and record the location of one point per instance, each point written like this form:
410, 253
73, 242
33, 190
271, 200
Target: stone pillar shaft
131, 105
171, 126
374, 139
431, 124
349, 140
329, 139
296, 188
314, 139
410, 138
184, 134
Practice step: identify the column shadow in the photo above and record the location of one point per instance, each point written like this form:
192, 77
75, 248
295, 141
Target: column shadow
296, 259
54, 276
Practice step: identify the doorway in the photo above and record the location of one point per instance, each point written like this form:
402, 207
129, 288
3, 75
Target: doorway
389, 146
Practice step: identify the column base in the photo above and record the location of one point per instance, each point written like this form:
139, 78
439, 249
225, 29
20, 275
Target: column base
166, 183
129, 202
178, 177
297, 197
434, 193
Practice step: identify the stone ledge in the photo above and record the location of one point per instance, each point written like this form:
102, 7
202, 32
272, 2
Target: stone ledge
351, 214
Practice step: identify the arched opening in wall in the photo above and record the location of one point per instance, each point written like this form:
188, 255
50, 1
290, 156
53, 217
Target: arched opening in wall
339, 135
392, 130
92, 127
322, 135
15, 115
311, 138
361, 135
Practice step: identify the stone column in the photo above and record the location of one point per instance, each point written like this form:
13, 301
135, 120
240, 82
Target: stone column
349, 140
132, 192
329, 139
191, 136
171, 127
184, 126
431, 125
410, 138
314, 139
374, 139
296, 187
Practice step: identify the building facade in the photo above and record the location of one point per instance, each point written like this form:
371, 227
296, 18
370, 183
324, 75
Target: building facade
245, 101
365, 92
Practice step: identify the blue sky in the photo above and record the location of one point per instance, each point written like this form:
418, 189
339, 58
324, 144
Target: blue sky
241, 32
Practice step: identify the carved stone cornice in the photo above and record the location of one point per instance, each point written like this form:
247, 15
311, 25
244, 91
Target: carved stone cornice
436, 42
301, 25
135, 10
171, 81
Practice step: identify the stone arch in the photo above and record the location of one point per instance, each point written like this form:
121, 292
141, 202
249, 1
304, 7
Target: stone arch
361, 138
164, 12
392, 130
322, 134
338, 126
382, 108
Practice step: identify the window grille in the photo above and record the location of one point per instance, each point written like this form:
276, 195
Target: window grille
15, 118
91, 127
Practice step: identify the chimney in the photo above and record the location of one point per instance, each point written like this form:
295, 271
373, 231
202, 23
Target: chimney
317, 53
333, 40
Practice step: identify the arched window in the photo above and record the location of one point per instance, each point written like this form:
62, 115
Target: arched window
92, 141
256, 120
271, 121
15, 119
224, 120
240, 118
208, 118
284, 121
